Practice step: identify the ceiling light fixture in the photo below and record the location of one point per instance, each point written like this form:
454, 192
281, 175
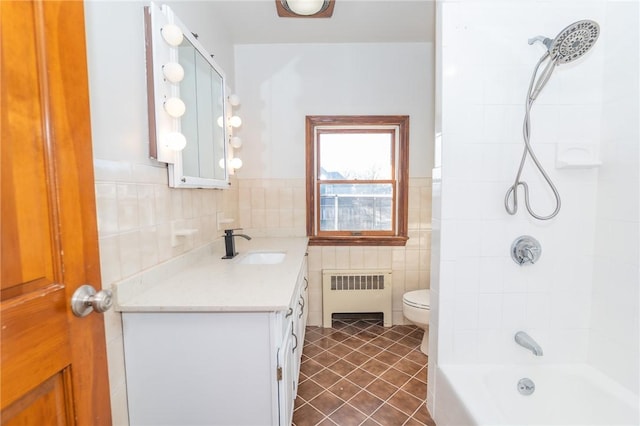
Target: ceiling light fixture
305, 8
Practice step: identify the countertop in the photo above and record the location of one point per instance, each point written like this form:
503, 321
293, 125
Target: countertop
200, 281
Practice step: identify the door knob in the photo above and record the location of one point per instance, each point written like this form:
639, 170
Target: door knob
86, 300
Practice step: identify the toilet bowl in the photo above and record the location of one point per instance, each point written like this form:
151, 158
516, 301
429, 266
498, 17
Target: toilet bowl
415, 307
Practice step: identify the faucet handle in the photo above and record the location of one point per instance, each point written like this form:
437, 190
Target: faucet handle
230, 231
525, 249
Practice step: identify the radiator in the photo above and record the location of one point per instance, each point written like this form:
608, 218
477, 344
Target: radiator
353, 291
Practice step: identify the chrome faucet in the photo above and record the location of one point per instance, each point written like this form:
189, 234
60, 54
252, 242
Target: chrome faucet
526, 341
229, 242
525, 249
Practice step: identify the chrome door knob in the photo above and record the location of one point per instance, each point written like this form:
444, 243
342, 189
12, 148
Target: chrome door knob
86, 300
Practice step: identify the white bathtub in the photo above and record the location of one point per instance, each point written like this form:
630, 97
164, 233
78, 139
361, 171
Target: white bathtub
565, 395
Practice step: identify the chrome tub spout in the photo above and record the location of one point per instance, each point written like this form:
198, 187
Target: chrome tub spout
526, 341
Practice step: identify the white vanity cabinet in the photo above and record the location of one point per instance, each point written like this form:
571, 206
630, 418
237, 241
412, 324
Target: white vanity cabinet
222, 367
290, 352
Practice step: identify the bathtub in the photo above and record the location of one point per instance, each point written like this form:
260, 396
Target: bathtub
485, 395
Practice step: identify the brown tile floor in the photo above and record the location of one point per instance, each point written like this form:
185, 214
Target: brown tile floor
361, 373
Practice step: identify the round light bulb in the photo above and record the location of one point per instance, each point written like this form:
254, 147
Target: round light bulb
175, 107
235, 142
220, 121
173, 72
235, 163
305, 7
175, 141
234, 100
235, 121
172, 34
221, 163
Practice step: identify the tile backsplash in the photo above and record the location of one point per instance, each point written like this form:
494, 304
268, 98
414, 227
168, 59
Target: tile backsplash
137, 216
276, 207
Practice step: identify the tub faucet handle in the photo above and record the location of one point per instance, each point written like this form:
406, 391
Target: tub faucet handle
529, 255
525, 249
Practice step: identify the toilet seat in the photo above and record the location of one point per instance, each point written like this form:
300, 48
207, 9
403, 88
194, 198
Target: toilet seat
418, 299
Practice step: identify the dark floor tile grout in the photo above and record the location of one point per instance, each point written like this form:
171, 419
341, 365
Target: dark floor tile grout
355, 336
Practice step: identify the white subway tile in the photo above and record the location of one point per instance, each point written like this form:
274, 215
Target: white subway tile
107, 208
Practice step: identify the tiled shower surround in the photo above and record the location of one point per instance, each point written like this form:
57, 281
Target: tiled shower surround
580, 300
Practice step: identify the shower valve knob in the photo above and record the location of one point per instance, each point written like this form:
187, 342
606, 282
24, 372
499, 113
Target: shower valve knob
525, 249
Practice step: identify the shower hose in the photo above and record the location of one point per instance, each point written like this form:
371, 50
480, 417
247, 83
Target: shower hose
512, 194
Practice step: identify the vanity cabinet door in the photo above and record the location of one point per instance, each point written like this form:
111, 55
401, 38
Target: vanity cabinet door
200, 368
301, 312
287, 378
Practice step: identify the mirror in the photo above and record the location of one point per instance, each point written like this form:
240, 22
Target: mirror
198, 111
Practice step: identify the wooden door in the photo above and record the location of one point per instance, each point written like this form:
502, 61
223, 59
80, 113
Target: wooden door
54, 369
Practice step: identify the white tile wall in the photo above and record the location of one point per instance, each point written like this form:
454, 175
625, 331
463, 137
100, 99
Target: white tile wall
614, 334
484, 297
286, 200
136, 214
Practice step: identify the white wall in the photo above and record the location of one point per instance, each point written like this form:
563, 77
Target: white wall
279, 85
480, 297
614, 345
136, 209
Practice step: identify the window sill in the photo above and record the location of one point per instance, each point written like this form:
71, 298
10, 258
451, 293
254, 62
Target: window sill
358, 241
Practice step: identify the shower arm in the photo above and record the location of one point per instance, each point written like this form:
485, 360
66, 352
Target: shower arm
541, 39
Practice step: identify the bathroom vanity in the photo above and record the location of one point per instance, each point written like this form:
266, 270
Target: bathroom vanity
217, 342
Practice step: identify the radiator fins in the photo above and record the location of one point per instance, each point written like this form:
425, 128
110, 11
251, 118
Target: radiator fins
357, 282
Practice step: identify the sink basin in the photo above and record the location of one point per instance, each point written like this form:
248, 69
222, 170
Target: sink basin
262, 258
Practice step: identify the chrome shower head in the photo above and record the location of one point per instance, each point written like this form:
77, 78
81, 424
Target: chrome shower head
574, 41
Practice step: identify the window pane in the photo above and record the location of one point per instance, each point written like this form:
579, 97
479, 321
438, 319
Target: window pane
355, 156
356, 207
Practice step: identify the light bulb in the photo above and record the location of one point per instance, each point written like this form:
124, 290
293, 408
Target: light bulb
172, 34
175, 141
235, 163
220, 121
305, 7
175, 107
235, 142
234, 100
235, 121
221, 163
173, 72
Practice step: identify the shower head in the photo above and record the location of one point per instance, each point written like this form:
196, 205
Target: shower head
574, 41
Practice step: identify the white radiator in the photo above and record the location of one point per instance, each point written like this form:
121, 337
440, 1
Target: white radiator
353, 291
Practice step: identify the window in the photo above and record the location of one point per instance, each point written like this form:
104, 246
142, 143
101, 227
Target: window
357, 180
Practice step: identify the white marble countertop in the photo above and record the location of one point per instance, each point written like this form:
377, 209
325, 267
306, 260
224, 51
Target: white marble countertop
200, 281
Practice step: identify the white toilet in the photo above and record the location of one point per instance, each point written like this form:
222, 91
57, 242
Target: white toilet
415, 307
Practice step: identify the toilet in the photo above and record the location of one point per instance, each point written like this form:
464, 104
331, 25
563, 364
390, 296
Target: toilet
415, 307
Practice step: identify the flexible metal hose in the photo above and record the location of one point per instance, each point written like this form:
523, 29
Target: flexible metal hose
532, 94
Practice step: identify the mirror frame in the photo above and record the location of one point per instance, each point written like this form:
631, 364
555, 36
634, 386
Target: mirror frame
158, 53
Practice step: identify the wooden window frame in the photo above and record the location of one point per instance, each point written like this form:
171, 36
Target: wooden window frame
326, 123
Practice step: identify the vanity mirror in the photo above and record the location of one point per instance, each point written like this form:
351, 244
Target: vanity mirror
186, 104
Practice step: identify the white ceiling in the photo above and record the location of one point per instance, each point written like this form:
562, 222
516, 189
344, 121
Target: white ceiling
353, 21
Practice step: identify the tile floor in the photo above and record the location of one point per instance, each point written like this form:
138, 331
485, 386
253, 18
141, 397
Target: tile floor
361, 373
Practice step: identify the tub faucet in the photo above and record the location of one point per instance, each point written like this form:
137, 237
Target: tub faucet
526, 341
229, 242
